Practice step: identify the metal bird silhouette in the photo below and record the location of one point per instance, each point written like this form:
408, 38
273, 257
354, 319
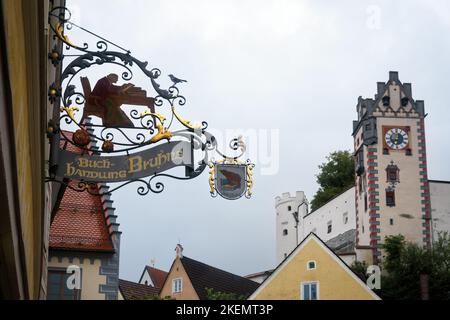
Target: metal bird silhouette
175, 80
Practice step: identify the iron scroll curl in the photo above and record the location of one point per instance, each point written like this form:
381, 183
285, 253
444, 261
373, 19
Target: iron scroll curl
153, 127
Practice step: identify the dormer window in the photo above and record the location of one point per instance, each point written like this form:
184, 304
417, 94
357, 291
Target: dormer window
405, 101
386, 101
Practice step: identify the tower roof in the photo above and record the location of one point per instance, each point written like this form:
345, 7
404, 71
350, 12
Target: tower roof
80, 221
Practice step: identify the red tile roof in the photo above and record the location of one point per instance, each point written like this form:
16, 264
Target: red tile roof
158, 276
136, 291
80, 223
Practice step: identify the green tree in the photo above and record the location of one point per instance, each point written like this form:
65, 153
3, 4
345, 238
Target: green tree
404, 263
151, 297
336, 175
360, 268
217, 295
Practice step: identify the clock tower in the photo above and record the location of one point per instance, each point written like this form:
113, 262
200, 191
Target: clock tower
392, 194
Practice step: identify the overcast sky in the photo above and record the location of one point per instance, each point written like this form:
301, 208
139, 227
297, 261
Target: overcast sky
287, 72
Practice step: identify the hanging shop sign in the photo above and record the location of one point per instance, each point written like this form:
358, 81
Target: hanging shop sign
229, 177
126, 167
139, 146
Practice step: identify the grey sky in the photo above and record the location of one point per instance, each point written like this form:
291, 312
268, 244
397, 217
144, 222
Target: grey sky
295, 66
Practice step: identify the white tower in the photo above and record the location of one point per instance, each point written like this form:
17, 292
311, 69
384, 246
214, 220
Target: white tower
289, 220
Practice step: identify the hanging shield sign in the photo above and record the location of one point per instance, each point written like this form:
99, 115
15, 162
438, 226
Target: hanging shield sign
231, 182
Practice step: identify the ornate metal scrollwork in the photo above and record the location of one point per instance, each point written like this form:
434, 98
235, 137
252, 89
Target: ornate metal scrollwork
118, 134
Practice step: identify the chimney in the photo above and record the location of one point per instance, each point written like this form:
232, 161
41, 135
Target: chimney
179, 251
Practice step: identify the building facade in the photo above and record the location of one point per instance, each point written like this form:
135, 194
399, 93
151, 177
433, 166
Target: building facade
27, 202
313, 272
189, 279
392, 193
329, 221
84, 235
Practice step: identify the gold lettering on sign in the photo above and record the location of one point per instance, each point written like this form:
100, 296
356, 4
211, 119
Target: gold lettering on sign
71, 171
135, 164
100, 168
94, 164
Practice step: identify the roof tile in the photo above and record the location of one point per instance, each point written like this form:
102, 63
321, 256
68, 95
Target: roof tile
80, 223
203, 276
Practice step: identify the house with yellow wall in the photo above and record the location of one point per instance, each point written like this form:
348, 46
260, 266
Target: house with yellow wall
26, 72
313, 272
189, 279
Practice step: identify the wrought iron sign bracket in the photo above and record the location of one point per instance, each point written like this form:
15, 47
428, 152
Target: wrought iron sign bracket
139, 147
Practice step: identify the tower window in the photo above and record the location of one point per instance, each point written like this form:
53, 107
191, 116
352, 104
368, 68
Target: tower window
289, 208
345, 217
386, 101
329, 227
385, 151
405, 101
365, 202
285, 232
360, 186
408, 152
390, 197
392, 172
391, 222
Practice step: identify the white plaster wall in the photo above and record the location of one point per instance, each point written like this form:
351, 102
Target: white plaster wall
407, 212
285, 220
440, 207
348, 259
317, 221
146, 277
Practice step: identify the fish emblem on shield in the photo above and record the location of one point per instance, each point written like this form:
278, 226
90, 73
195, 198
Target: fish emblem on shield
231, 181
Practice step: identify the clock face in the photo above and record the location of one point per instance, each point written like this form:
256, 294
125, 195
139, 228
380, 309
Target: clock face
396, 138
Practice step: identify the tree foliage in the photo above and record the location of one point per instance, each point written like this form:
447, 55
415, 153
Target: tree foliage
360, 268
336, 175
217, 295
151, 297
405, 262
